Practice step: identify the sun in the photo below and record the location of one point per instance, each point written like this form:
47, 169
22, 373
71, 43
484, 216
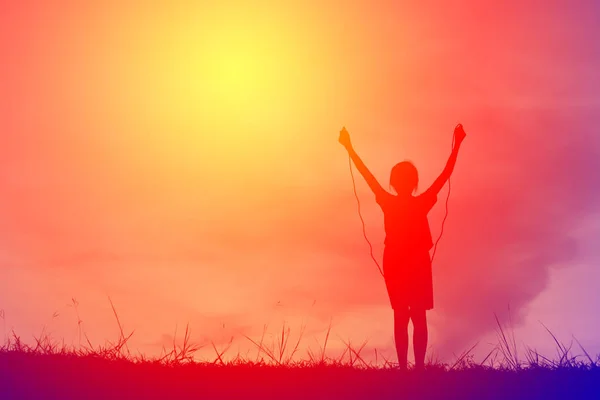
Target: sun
234, 69
241, 71
233, 85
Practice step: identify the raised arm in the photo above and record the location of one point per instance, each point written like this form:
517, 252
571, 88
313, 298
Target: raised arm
438, 184
377, 189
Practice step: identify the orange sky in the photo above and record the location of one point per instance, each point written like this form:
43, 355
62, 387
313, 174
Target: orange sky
183, 160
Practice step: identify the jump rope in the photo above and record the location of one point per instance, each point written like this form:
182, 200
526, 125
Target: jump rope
364, 229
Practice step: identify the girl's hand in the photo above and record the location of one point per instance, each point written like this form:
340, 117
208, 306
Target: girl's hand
459, 134
345, 138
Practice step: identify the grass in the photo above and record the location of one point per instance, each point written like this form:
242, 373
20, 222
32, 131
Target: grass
50, 369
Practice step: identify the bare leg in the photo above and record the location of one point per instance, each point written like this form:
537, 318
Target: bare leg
401, 336
419, 321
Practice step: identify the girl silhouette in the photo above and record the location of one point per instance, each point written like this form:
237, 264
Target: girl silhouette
406, 259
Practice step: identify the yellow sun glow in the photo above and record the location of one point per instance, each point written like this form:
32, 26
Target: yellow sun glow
228, 87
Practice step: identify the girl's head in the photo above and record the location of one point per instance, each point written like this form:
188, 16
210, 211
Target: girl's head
404, 178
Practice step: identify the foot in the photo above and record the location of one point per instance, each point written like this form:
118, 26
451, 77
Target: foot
401, 366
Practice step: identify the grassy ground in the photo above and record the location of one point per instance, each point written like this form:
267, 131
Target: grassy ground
66, 376
50, 370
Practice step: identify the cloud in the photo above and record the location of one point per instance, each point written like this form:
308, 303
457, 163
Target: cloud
515, 204
106, 204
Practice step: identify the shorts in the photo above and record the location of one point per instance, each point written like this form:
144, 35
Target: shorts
408, 278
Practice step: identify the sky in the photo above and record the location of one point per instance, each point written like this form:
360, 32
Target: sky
181, 160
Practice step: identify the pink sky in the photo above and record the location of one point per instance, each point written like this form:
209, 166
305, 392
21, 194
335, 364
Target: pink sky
124, 173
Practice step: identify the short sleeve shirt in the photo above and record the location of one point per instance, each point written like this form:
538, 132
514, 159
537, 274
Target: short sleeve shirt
405, 220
